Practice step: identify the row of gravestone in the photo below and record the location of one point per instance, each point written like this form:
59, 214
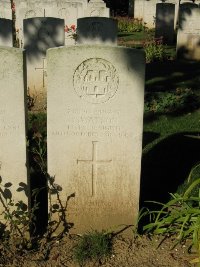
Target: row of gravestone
188, 36
93, 152
146, 10
69, 10
43, 33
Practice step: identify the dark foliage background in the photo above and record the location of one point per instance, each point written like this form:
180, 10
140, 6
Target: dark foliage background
118, 7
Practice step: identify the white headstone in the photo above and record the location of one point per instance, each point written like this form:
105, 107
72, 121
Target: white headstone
95, 121
13, 160
40, 34
5, 9
97, 8
188, 37
146, 10
165, 14
6, 38
97, 30
69, 10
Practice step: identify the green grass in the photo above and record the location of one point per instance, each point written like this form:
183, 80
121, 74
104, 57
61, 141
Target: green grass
170, 125
93, 246
135, 36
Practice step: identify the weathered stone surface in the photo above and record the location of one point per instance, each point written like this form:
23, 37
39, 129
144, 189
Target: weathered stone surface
39, 35
69, 10
5, 9
95, 121
13, 161
188, 38
97, 8
97, 30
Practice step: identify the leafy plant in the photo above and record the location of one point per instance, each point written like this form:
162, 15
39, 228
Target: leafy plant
155, 50
17, 218
93, 246
168, 102
180, 217
129, 25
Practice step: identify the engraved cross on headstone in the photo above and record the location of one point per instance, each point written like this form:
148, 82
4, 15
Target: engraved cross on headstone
43, 71
94, 163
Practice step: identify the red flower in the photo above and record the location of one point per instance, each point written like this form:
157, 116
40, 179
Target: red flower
73, 27
13, 7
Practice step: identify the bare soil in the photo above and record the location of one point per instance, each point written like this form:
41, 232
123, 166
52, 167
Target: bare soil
139, 252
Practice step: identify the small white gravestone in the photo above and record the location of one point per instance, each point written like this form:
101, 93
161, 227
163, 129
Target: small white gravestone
6, 38
188, 38
97, 8
165, 14
97, 30
13, 160
5, 9
95, 123
149, 13
40, 34
70, 11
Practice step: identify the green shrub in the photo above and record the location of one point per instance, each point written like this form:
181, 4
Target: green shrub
154, 50
130, 25
168, 102
180, 217
93, 246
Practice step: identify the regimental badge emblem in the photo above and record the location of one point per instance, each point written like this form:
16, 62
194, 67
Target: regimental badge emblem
96, 80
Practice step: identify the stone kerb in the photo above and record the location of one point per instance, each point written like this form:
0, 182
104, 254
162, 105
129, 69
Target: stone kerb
95, 120
165, 15
97, 8
40, 34
13, 154
188, 38
6, 37
97, 30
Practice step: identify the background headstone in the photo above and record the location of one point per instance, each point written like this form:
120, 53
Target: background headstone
40, 34
188, 38
94, 126
149, 13
13, 161
97, 30
165, 14
5, 9
97, 8
6, 38
69, 10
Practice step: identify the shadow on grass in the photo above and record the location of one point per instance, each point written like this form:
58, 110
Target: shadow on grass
166, 166
168, 75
